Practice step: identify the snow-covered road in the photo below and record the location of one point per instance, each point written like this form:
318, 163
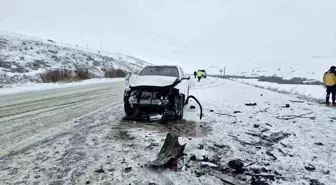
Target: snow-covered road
28, 117
64, 136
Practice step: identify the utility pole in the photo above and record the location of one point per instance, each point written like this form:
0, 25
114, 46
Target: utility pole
224, 72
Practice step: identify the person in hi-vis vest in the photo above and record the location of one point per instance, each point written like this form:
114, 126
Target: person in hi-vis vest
329, 79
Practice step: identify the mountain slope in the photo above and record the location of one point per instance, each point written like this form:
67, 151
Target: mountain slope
22, 58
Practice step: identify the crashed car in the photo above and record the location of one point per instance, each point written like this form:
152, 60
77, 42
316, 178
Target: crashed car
161, 90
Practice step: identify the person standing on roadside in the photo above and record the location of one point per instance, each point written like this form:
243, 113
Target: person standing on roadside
199, 75
195, 74
329, 80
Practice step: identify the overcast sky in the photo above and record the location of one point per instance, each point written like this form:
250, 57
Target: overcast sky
196, 33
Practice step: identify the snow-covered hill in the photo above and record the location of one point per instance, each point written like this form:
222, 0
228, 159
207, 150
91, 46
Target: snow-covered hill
23, 58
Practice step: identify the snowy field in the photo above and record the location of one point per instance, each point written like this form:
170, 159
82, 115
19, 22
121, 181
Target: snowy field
310, 68
313, 92
31, 87
46, 138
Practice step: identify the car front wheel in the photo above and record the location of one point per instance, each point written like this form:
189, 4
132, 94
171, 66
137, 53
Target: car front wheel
128, 109
181, 107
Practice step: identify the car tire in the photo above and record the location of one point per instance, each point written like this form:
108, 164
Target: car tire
127, 108
185, 97
182, 103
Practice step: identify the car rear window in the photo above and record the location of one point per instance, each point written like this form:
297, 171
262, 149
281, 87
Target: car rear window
159, 71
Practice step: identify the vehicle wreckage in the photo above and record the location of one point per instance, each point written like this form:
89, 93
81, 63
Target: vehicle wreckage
157, 93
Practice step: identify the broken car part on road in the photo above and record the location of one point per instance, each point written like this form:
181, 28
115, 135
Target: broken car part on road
170, 152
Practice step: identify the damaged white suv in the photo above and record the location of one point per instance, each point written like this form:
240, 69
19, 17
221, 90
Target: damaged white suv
161, 90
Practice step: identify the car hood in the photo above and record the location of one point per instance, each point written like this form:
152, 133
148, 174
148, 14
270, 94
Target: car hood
155, 81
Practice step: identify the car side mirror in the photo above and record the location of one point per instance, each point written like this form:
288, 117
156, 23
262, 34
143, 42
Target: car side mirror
128, 76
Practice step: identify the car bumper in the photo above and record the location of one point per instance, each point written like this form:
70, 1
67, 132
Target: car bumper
155, 102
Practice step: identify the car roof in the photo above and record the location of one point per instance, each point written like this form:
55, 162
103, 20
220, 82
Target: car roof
161, 66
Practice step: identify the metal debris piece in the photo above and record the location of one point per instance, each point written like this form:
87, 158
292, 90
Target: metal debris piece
310, 167
170, 152
100, 170
236, 164
251, 104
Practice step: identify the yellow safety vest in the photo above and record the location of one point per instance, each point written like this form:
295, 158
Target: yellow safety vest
329, 79
199, 74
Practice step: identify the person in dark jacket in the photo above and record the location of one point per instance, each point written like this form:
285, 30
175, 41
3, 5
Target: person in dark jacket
195, 74
329, 79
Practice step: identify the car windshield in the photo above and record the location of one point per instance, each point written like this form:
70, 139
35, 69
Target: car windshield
159, 71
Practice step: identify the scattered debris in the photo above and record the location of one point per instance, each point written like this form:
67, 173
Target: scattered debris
288, 117
193, 158
319, 144
111, 170
310, 167
287, 106
236, 164
219, 145
264, 110
269, 124
151, 145
208, 164
251, 104
264, 130
315, 182
271, 139
128, 169
176, 165
256, 126
100, 170
326, 172
211, 110
256, 180
170, 152
225, 178
225, 114
251, 164
192, 107
87, 182
236, 112
271, 155
199, 173
296, 101
205, 158
200, 146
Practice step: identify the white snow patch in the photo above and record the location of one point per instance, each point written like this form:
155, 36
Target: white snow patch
309, 91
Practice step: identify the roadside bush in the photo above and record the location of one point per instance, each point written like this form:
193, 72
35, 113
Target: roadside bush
82, 74
56, 75
115, 73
